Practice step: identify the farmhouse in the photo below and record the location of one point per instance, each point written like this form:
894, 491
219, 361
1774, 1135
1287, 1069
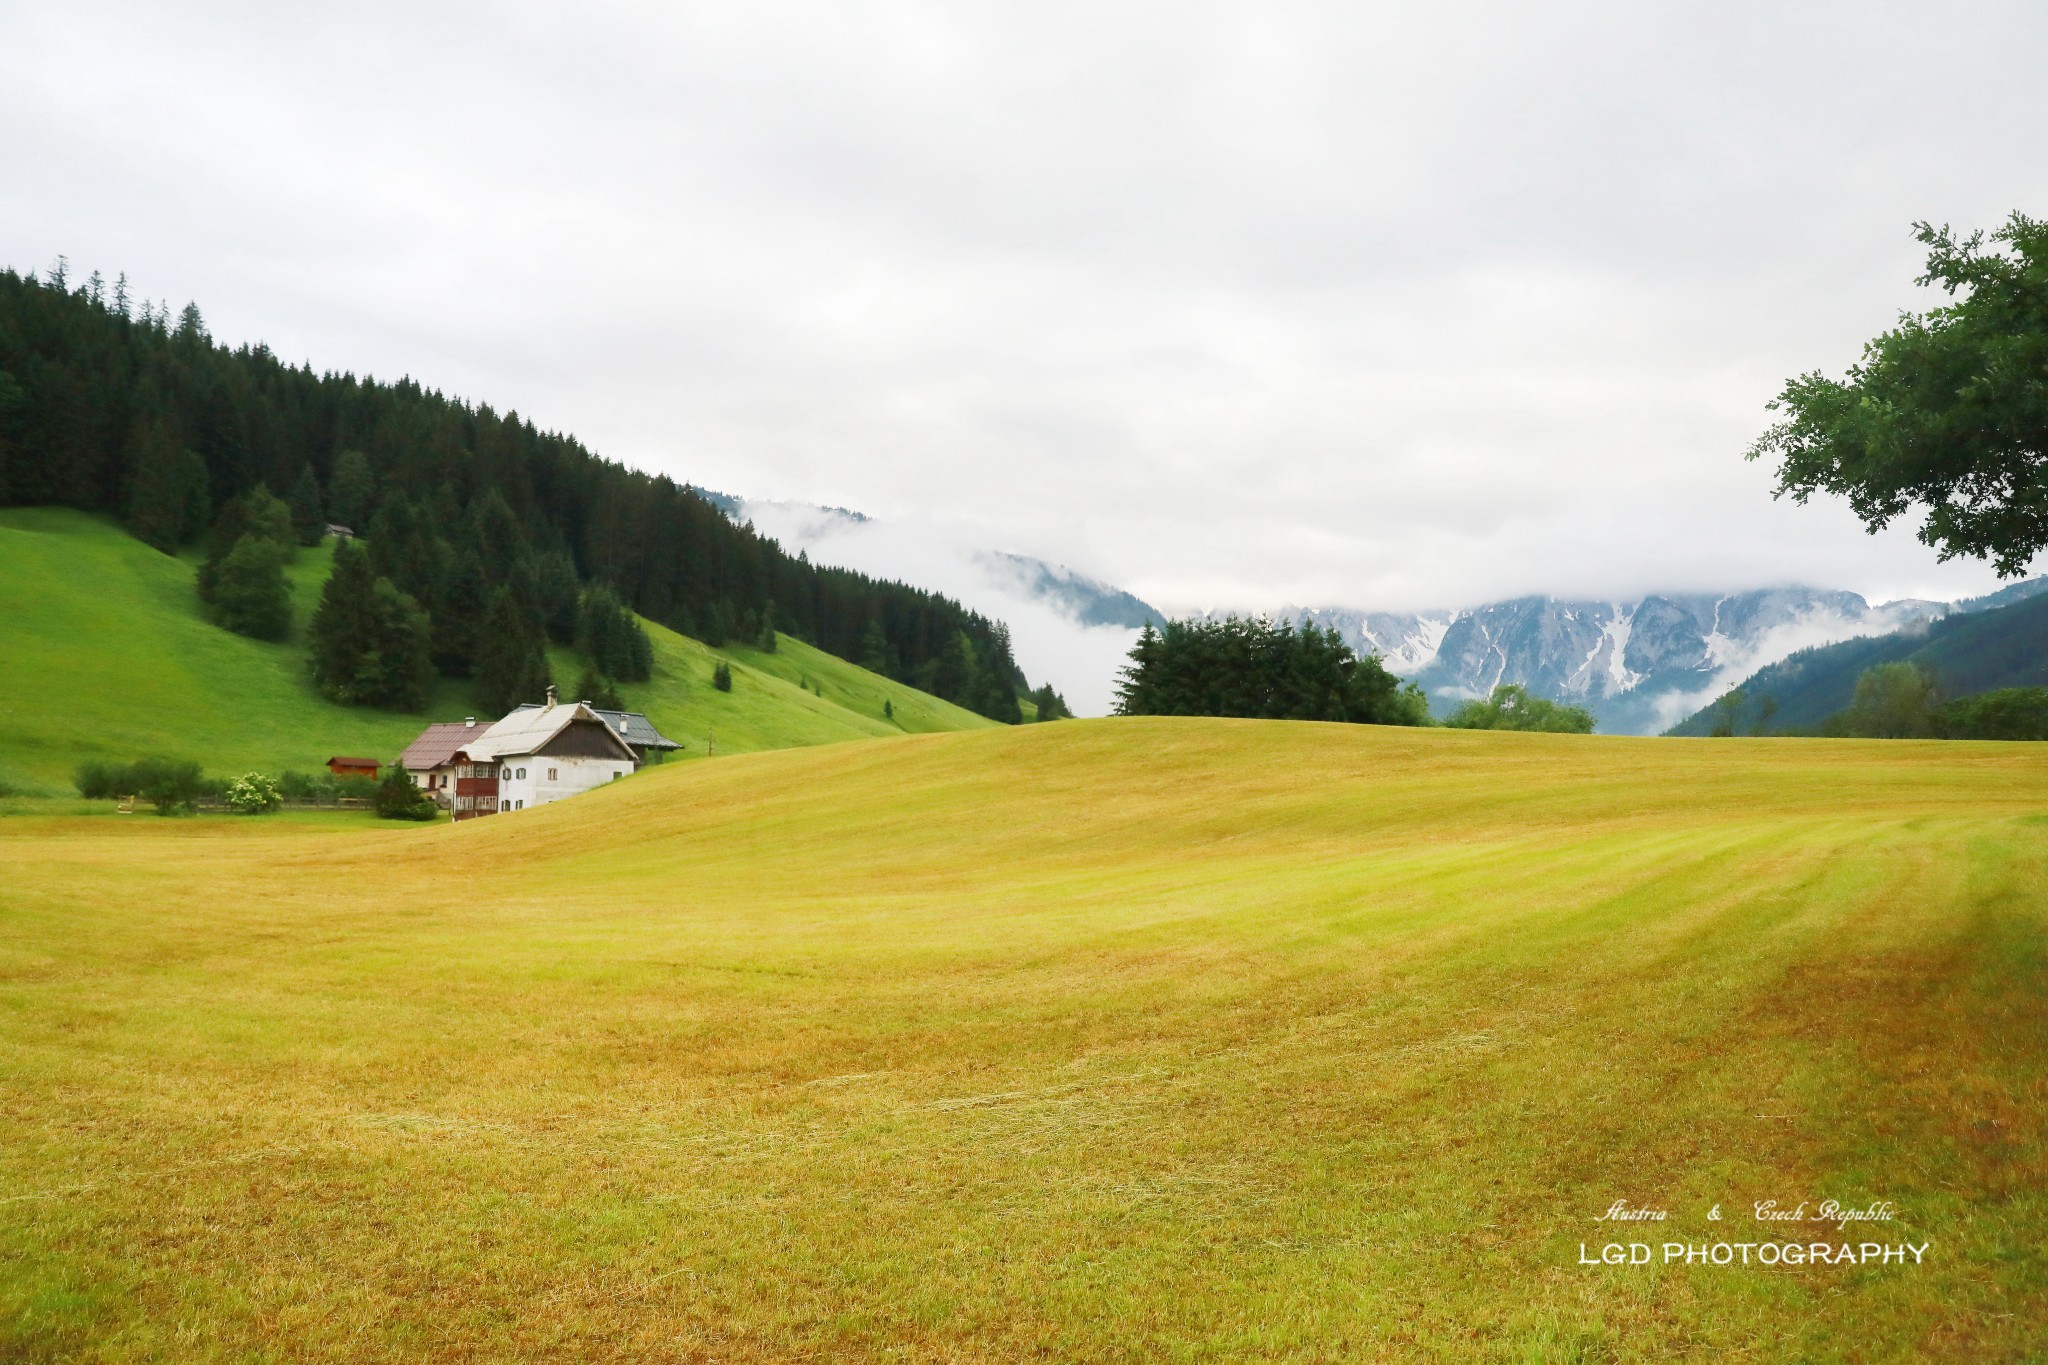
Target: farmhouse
649, 745
535, 755
440, 762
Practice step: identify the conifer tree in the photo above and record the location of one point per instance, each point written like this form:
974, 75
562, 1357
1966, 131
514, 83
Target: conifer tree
458, 614
399, 797
370, 642
511, 665
341, 622
396, 669
599, 691
875, 654
554, 581
307, 522
167, 500
615, 642
350, 490
249, 593
721, 677
996, 699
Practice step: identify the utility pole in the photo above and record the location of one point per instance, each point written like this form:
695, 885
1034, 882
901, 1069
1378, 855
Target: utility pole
709, 750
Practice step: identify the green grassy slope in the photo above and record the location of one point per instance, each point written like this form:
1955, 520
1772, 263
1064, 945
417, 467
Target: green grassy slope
104, 654
793, 697
1105, 1041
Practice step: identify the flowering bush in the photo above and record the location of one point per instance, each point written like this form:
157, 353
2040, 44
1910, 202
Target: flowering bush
253, 794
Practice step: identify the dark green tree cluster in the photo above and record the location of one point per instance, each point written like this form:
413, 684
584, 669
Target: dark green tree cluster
511, 655
2002, 713
615, 642
242, 581
721, 676
172, 785
1893, 701
141, 414
983, 678
400, 798
1051, 705
1512, 706
370, 641
1264, 670
167, 503
1904, 701
599, 691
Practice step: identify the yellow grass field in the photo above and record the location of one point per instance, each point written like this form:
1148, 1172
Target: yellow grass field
1101, 1041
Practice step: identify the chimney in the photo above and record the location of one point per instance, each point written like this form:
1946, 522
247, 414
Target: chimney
551, 699
468, 722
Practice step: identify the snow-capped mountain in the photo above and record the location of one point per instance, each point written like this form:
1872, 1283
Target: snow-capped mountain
1066, 628
1089, 601
1405, 641
1637, 665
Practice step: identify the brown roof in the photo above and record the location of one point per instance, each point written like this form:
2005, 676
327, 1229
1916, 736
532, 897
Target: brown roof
438, 744
354, 762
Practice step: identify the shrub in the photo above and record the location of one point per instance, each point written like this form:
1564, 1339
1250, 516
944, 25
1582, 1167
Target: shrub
353, 788
172, 785
303, 787
721, 678
253, 794
169, 784
1511, 707
99, 781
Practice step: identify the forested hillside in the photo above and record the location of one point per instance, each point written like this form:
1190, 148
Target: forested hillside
1971, 652
106, 654
112, 407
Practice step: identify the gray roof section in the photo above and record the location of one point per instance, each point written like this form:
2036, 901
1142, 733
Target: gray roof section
631, 726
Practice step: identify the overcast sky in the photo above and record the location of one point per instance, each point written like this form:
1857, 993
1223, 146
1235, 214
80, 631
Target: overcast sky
1231, 305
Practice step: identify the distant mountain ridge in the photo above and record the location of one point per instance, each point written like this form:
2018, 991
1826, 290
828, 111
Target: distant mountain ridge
1087, 600
1638, 665
2000, 640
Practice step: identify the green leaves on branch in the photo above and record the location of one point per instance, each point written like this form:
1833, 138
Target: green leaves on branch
1947, 412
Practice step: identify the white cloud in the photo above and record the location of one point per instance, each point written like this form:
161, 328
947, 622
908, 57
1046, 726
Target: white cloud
1398, 306
1081, 662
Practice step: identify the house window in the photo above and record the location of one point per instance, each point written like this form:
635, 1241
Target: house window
522, 774
551, 775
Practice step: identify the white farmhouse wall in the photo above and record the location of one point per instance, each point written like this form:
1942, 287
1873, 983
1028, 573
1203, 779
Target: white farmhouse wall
526, 778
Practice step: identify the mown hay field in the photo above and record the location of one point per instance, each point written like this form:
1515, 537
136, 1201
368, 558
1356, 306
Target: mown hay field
1133, 1039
